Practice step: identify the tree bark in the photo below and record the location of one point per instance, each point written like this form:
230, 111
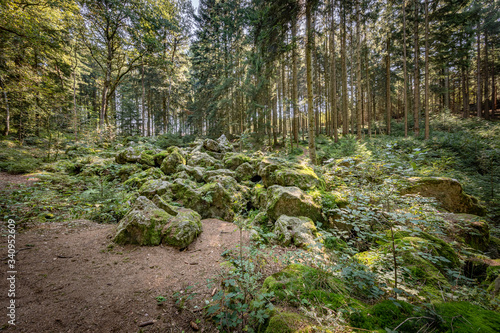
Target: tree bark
310, 111
416, 90
388, 103
333, 85
478, 92
345, 119
295, 86
426, 98
358, 73
405, 73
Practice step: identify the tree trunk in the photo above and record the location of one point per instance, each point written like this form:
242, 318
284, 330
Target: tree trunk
426, 98
416, 90
405, 73
295, 86
486, 74
345, 119
7, 110
333, 85
478, 92
388, 103
358, 73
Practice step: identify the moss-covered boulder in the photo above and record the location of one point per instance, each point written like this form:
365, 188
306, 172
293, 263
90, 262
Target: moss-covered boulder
211, 200
275, 171
448, 192
153, 187
182, 229
471, 229
137, 154
196, 173
138, 179
245, 172
204, 160
464, 317
288, 322
163, 204
172, 161
127, 170
143, 225
219, 172
211, 145
298, 231
291, 201
234, 160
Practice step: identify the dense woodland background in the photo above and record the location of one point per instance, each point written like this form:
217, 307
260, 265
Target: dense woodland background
271, 68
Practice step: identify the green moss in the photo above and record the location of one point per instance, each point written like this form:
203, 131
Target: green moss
138, 179
464, 317
297, 283
234, 160
172, 160
158, 158
386, 314
288, 322
434, 246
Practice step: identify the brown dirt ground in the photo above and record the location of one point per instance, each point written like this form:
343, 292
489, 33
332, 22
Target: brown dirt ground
72, 278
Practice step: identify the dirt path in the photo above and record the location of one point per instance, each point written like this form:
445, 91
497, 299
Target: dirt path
74, 279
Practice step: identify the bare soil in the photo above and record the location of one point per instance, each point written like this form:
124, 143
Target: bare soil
72, 278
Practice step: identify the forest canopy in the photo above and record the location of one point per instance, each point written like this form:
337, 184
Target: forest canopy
270, 68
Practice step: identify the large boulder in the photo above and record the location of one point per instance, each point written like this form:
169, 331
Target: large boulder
276, 171
154, 187
234, 160
219, 172
291, 201
211, 200
136, 154
298, 231
196, 173
448, 192
182, 229
203, 160
172, 161
143, 225
246, 172
138, 179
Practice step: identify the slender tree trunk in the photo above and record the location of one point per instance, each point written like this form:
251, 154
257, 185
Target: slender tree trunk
345, 118
7, 110
275, 116
286, 110
358, 73
486, 75
310, 111
405, 73
388, 103
295, 86
416, 97
333, 85
493, 85
447, 88
478, 92
426, 98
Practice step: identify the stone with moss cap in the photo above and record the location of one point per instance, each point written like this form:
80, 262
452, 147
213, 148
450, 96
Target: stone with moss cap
288, 322
234, 160
143, 224
203, 160
172, 161
448, 192
137, 154
182, 229
153, 187
291, 201
245, 172
298, 231
138, 179
275, 171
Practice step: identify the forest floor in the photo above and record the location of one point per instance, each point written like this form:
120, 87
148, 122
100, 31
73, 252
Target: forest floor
72, 278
